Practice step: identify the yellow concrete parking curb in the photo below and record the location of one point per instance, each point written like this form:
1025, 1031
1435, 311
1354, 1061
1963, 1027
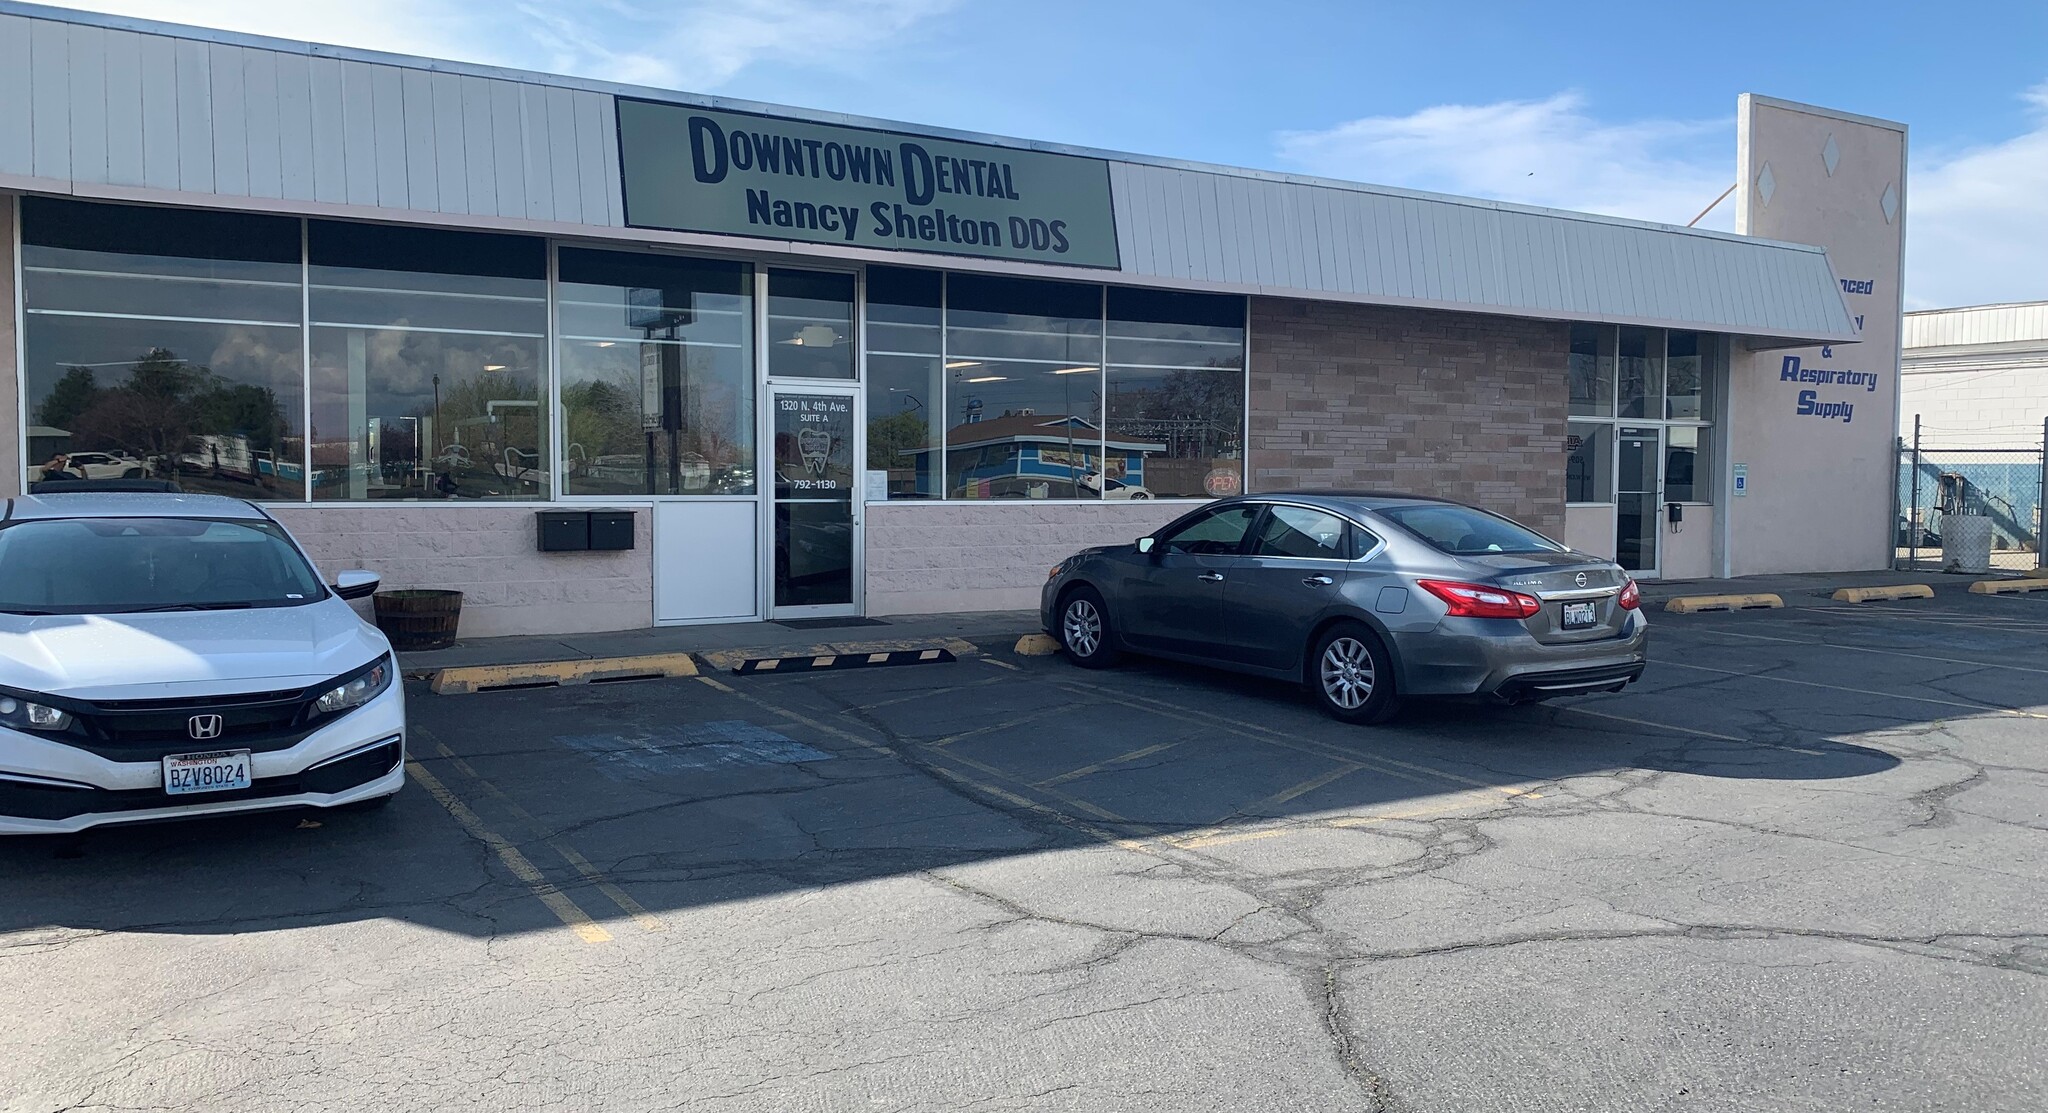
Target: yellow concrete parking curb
540, 674
1883, 594
1694, 604
727, 660
2007, 587
1037, 645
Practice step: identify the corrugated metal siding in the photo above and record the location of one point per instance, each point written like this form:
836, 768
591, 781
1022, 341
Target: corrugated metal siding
1977, 324
102, 106
1360, 243
86, 104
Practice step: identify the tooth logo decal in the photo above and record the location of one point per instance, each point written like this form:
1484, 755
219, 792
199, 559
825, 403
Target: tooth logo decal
814, 445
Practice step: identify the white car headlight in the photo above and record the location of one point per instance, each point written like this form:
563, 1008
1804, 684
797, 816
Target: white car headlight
355, 690
24, 714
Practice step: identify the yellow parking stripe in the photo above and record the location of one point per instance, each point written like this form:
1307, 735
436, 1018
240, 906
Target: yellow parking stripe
558, 902
603, 884
1087, 770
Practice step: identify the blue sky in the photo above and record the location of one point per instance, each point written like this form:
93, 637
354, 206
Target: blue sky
1624, 108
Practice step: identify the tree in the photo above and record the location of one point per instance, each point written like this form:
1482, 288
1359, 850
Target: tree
890, 437
72, 394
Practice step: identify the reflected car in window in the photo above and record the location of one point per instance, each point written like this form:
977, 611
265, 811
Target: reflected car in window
1367, 599
165, 656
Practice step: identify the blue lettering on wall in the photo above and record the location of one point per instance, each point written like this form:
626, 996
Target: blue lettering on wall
1858, 285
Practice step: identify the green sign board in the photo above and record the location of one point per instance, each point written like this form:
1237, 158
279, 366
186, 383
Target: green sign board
696, 170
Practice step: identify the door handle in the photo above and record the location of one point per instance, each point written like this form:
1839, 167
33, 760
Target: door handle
1318, 581
1212, 577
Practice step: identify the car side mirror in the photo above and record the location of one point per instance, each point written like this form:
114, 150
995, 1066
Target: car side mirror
356, 584
1145, 544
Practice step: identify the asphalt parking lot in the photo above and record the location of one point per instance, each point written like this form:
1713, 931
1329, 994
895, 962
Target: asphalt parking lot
1800, 866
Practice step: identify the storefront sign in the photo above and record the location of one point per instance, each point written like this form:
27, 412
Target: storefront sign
696, 170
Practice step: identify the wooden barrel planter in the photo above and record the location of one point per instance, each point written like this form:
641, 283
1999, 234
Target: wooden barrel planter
418, 618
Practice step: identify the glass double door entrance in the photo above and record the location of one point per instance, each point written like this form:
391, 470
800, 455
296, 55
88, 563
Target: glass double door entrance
815, 510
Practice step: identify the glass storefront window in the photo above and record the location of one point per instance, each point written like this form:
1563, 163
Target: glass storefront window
164, 344
1592, 371
657, 369
1589, 462
429, 364
1176, 395
810, 325
1689, 464
1023, 389
1640, 388
1685, 396
905, 379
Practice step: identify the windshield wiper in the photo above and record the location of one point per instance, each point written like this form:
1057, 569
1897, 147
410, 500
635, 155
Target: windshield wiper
187, 607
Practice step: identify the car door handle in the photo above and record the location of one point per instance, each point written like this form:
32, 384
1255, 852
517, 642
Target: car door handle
1318, 581
1212, 577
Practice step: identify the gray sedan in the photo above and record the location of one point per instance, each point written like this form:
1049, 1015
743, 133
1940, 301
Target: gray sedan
1364, 598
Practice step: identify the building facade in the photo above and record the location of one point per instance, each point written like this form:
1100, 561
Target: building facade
829, 366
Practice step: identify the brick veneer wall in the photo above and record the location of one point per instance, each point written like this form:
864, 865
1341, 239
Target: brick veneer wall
1454, 404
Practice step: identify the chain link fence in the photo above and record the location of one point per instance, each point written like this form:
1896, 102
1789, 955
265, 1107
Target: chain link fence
1948, 485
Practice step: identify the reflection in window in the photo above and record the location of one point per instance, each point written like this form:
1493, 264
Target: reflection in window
1689, 464
428, 363
1641, 386
905, 379
1176, 394
1219, 532
1024, 390
1296, 531
810, 325
1589, 462
1592, 371
163, 344
1684, 369
657, 374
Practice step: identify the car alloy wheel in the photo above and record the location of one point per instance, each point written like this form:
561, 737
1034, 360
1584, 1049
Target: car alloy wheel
1347, 673
1083, 627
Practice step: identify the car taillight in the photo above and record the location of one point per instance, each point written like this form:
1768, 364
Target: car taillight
1480, 601
1630, 597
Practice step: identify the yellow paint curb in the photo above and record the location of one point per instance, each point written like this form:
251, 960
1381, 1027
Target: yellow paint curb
1694, 604
1883, 594
1037, 645
478, 678
2007, 587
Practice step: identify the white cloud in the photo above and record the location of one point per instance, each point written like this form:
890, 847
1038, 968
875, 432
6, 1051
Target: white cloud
1547, 152
691, 44
1977, 219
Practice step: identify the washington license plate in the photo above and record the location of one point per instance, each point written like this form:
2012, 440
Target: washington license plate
219, 771
1581, 616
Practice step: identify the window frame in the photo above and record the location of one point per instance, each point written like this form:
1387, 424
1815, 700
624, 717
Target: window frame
1714, 386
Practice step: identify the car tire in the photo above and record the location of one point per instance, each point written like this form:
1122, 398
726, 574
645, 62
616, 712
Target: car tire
132, 473
1085, 630
1351, 675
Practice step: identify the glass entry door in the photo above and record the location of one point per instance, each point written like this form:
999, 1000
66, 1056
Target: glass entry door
817, 544
1638, 497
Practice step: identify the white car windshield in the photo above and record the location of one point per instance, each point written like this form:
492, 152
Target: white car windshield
127, 565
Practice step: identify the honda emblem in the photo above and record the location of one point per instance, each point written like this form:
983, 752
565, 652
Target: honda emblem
1581, 581
203, 727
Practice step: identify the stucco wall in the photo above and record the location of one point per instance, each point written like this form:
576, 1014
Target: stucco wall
487, 553
1452, 404
10, 423
1820, 486
1590, 529
963, 556
1689, 553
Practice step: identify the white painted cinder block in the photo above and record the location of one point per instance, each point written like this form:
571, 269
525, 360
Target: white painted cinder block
925, 558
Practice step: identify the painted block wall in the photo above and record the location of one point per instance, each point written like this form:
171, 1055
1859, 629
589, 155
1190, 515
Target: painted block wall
936, 557
487, 553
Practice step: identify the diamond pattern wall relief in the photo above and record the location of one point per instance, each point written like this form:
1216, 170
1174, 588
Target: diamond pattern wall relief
1766, 184
1831, 155
1890, 202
